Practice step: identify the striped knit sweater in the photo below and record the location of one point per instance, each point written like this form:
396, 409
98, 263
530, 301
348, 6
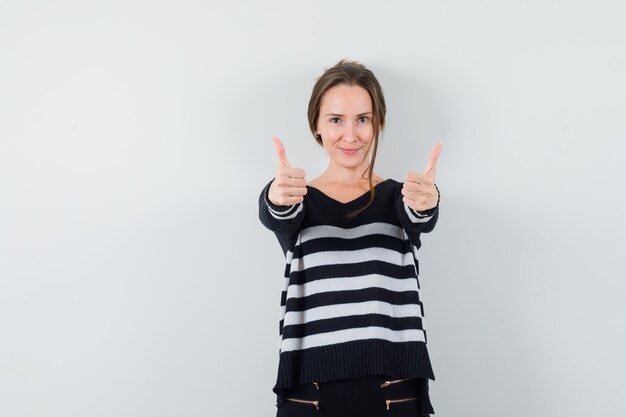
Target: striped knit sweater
350, 304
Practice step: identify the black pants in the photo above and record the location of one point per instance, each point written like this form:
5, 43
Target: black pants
367, 396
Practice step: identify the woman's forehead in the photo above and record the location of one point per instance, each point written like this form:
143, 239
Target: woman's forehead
344, 99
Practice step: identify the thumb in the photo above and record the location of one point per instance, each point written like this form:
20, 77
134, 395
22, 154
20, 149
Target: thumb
432, 161
280, 152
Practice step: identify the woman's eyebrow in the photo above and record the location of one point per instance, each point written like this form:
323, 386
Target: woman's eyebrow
341, 115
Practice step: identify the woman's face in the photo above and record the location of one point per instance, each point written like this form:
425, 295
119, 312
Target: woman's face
345, 123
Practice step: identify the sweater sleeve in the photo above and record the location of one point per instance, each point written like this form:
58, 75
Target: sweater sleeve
417, 222
279, 219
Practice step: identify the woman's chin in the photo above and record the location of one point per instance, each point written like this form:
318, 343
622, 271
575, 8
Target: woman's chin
350, 164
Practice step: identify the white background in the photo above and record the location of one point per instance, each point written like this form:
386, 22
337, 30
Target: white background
135, 137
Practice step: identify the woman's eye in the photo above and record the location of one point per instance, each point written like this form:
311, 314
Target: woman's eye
364, 119
333, 120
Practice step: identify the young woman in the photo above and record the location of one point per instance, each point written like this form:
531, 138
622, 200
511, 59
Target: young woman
351, 334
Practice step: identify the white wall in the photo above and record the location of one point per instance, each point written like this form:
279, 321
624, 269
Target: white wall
135, 137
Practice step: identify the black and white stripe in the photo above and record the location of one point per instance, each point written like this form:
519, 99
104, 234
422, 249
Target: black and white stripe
289, 213
415, 216
321, 306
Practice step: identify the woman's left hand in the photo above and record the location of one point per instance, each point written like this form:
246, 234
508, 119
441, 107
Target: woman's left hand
419, 190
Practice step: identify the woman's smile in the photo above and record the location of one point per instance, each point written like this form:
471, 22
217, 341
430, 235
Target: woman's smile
349, 151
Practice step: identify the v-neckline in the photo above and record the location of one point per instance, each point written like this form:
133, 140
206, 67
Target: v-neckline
348, 202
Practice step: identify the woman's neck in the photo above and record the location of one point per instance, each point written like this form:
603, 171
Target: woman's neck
346, 179
335, 174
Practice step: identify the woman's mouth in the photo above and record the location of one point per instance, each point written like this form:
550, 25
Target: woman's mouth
349, 151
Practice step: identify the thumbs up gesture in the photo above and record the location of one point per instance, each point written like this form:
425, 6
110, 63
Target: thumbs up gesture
289, 186
419, 189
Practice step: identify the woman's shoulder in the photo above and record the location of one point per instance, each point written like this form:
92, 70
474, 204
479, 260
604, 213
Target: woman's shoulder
390, 183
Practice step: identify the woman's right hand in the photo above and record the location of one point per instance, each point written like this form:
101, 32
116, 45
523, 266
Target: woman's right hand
289, 186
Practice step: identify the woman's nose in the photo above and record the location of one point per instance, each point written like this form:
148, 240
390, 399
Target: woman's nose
350, 133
